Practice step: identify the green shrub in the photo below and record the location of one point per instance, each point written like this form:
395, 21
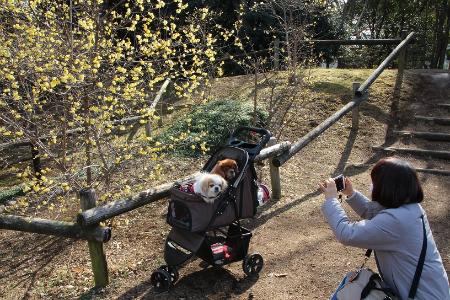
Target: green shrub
208, 126
11, 193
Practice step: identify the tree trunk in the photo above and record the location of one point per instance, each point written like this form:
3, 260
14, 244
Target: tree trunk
255, 95
441, 15
35, 156
443, 49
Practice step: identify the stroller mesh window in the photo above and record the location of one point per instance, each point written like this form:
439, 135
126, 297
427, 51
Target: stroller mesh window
179, 215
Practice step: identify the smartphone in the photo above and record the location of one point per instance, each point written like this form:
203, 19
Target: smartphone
340, 182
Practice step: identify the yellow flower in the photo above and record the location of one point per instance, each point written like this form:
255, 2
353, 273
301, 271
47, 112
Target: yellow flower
54, 82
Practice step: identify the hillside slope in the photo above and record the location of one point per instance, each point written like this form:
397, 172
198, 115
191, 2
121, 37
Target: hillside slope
302, 258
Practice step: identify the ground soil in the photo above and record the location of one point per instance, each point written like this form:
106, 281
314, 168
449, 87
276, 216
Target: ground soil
302, 258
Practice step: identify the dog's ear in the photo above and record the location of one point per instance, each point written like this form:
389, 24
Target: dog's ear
218, 169
224, 183
236, 167
205, 185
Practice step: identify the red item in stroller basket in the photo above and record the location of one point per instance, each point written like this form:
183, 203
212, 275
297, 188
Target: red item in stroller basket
187, 188
263, 194
221, 252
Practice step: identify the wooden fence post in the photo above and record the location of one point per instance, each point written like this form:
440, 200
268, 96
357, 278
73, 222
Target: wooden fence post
274, 174
88, 200
134, 130
402, 54
355, 111
401, 67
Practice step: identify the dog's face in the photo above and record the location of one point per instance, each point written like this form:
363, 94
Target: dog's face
209, 186
227, 168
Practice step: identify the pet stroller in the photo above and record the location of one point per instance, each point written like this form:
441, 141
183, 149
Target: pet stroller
213, 232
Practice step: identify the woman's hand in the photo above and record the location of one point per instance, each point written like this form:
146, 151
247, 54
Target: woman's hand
328, 188
348, 191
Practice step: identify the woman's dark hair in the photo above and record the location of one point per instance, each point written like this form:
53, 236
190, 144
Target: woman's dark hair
395, 183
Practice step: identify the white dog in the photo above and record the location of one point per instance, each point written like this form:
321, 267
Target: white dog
209, 186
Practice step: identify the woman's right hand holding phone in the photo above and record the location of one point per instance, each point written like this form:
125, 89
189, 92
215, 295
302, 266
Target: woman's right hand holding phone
348, 190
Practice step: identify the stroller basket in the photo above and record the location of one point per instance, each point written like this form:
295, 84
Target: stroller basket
237, 241
181, 245
189, 212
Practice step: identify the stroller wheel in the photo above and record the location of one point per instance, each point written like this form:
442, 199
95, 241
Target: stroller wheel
173, 272
161, 280
252, 264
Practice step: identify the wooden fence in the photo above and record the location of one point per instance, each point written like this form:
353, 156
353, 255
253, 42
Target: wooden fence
88, 228
32, 142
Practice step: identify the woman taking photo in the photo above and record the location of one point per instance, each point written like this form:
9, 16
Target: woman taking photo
392, 227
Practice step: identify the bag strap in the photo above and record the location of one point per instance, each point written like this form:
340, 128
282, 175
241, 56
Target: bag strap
419, 268
366, 257
415, 283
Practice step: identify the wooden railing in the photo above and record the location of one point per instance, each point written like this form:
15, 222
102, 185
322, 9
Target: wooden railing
360, 95
88, 228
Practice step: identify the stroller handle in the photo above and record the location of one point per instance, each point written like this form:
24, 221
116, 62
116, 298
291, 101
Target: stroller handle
252, 149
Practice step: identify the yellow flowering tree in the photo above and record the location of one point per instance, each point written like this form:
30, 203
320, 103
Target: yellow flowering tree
69, 70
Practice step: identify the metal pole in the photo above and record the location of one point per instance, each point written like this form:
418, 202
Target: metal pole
352, 42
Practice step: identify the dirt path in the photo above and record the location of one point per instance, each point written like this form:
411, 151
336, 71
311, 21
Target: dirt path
302, 258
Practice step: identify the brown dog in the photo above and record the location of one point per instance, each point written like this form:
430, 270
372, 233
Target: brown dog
227, 168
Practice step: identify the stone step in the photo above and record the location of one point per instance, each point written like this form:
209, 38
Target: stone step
430, 136
444, 105
434, 171
413, 151
436, 120
349, 167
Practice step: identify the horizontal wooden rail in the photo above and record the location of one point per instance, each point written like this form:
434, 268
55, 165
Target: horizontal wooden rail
273, 150
305, 140
100, 213
354, 42
51, 227
365, 86
78, 130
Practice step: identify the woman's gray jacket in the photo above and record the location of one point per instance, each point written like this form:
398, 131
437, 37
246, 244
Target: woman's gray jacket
396, 236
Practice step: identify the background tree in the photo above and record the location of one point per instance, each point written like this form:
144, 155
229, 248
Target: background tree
69, 70
387, 19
